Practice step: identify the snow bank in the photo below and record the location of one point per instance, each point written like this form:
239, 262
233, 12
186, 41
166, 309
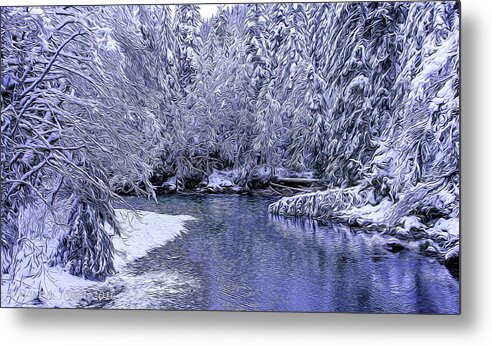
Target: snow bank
142, 231
221, 181
353, 207
452, 226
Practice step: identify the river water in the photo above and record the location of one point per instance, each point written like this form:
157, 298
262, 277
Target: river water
235, 256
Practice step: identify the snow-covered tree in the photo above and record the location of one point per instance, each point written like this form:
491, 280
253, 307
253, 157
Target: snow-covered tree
106, 100
187, 22
63, 134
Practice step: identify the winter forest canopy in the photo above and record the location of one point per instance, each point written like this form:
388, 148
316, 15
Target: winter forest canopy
350, 111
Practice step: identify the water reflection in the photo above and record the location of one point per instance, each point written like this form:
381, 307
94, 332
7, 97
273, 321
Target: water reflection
245, 259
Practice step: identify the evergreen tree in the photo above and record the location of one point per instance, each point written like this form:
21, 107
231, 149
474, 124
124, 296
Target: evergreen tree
187, 22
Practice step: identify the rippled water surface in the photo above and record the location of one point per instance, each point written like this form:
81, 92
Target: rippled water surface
235, 256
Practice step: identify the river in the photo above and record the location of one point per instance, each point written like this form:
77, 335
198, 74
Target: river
235, 256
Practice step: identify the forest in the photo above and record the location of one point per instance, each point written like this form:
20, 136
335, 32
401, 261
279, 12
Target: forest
346, 112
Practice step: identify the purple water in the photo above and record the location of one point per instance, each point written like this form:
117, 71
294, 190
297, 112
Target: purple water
238, 257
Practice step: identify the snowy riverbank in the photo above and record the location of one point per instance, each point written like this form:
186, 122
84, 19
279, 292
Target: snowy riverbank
55, 287
436, 236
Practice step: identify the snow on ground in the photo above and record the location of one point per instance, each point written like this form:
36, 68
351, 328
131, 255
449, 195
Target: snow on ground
222, 181
142, 231
452, 226
369, 213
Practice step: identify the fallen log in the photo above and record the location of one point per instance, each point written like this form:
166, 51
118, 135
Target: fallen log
298, 180
293, 188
